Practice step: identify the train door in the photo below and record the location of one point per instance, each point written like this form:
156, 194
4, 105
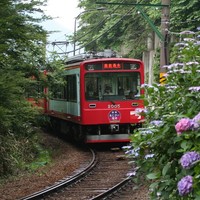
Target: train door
78, 93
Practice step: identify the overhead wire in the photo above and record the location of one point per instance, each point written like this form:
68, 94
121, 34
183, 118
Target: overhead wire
94, 28
101, 22
85, 45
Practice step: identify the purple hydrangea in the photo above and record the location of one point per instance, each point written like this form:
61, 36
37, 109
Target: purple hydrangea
149, 156
196, 121
157, 123
189, 158
185, 185
184, 124
195, 89
187, 32
133, 152
192, 63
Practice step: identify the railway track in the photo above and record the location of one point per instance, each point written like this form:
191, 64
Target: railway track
102, 178
67, 181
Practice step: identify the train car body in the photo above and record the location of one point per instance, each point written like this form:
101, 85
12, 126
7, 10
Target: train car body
99, 100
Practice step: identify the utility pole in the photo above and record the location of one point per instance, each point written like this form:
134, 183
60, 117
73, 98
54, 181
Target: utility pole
164, 54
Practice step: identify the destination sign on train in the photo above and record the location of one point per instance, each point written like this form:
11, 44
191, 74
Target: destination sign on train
112, 66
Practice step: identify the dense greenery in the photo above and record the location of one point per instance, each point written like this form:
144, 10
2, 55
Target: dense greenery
167, 149
22, 53
123, 26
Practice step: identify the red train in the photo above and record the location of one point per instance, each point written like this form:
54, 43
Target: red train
99, 101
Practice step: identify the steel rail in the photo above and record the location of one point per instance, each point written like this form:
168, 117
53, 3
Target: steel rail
112, 190
66, 182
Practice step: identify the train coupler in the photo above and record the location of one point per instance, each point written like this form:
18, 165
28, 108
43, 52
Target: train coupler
114, 127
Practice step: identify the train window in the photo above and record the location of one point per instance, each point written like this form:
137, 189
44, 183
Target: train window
71, 88
112, 86
58, 92
91, 86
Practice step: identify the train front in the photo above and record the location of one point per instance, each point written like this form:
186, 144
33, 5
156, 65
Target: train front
110, 96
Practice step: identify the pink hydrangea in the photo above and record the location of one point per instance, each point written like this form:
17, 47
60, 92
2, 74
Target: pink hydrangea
184, 124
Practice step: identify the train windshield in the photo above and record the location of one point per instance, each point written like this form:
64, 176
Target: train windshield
112, 86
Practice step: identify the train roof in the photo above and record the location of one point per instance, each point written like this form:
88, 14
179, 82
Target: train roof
91, 55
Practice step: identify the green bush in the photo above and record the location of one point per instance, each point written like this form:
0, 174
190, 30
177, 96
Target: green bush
170, 136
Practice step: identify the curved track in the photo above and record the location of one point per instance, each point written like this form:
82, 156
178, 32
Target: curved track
102, 178
65, 182
107, 177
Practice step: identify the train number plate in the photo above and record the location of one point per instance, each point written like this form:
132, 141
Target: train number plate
114, 106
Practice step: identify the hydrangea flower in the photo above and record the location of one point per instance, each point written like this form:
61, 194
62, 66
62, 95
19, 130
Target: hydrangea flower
187, 32
147, 132
195, 89
196, 121
146, 85
171, 87
192, 63
189, 39
184, 124
185, 185
181, 44
149, 156
141, 110
133, 152
157, 122
175, 65
189, 158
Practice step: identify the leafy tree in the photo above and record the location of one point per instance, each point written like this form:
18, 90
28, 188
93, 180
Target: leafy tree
184, 15
105, 26
121, 25
22, 52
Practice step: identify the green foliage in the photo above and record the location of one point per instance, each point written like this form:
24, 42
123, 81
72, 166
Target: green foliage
184, 15
43, 158
122, 26
157, 148
110, 28
55, 79
22, 52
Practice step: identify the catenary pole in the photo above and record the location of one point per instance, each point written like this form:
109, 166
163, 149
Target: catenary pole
165, 17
